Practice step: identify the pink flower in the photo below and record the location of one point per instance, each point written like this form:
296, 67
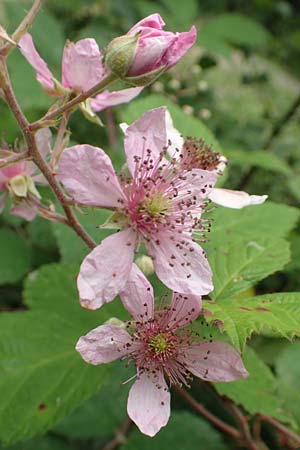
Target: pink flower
82, 68
158, 206
157, 48
196, 154
18, 181
161, 346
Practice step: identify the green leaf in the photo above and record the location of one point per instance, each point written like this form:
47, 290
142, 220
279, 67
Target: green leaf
71, 247
187, 125
239, 265
252, 222
184, 431
262, 159
241, 317
41, 443
259, 392
15, 257
43, 378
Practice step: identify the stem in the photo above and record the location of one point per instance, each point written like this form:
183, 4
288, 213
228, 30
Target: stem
276, 130
23, 27
17, 157
243, 425
200, 409
71, 103
39, 161
120, 436
283, 429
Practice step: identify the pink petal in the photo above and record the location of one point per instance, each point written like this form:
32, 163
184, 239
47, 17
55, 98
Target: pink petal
43, 139
148, 132
152, 21
184, 309
82, 66
215, 361
137, 296
28, 50
179, 47
103, 344
105, 271
174, 137
107, 99
24, 210
12, 171
181, 264
235, 199
149, 402
88, 175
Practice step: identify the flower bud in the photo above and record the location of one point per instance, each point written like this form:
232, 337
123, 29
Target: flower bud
145, 263
120, 53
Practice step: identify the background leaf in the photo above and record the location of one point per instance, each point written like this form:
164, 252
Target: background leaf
15, 257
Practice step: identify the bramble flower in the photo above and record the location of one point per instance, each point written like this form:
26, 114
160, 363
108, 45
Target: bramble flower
17, 181
147, 51
82, 68
158, 206
162, 348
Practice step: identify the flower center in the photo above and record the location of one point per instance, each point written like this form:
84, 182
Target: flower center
159, 343
155, 206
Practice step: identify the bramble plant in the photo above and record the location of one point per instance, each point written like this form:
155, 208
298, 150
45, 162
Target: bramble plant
162, 215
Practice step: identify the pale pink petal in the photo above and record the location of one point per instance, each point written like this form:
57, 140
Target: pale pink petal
181, 264
43, 139
28, 50
107, 99
103, 344
147, 132
184, 309
175, 139
137, 296
152, 21
215, 361
82, 66
149, 402
2, 201
12, 171
180, 46
235, 199
25, 211
88, 175
105, 271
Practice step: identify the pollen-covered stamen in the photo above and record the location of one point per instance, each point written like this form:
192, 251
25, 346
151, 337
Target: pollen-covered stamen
198, 155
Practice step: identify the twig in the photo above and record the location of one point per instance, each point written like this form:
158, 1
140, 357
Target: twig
120, 436
283, 429
70, 104
243, 425
16, 157
276, 130
23, 27
38, 159
200, 409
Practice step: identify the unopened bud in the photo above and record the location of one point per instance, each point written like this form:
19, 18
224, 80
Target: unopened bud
120, 53
145, 263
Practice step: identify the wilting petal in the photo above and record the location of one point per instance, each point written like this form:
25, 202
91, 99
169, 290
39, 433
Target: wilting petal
175, 139
148, 132
28, 50
82, 66
235, 199
152, 21
105, 271
181, 264
179, 47
24, 210
137, 296
215, 361
107, 99
88, 175
184, 309
103, 344
2, 201
43, 138
149, 402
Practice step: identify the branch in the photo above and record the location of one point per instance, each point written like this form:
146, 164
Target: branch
17, 157
200, 409
71, 103
23, 27
283, 429
243, 425
120, 436
39, 161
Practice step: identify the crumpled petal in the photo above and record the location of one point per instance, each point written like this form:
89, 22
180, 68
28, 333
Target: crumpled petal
103, 344
181, 264
28, 50
43, 138
88, 175
147, 132
107, 98
24, 210
180, 46
137, 296
82, 66
215, 361
184, 309
235, 199
105, 271
149, 402
152, 21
